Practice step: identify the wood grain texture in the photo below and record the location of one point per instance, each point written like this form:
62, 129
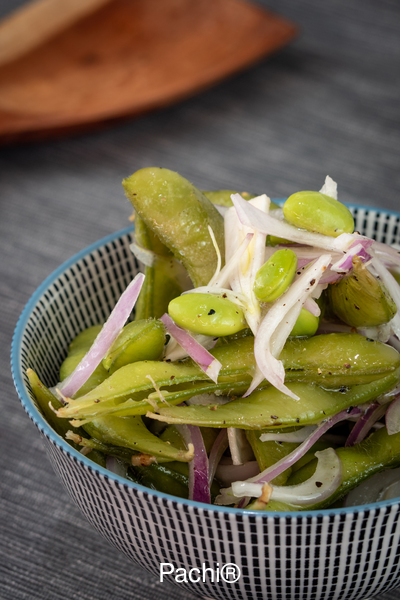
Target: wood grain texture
130, 57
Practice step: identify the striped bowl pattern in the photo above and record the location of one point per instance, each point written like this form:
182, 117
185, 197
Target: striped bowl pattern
350, 553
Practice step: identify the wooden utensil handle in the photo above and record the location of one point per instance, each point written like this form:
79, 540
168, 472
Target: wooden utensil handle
38, 21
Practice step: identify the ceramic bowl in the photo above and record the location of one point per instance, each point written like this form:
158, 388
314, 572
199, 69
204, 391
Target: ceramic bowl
215, 552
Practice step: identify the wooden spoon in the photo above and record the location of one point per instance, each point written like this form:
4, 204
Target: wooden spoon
126, 58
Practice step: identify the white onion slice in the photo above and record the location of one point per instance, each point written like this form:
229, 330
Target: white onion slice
228, 473
325, 481
199, 489
252, 217
210, 365
240, 449
104, 340
300, 435
381, 486
329, 188
277, 325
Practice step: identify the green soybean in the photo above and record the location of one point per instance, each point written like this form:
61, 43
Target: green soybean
207, 314
306, 324
275, 276
179, 214
319, 213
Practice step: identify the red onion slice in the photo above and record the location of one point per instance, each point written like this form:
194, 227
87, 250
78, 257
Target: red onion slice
210, 365
325, 481
199, 489
358, 248
104, 340
365, 423
217, 451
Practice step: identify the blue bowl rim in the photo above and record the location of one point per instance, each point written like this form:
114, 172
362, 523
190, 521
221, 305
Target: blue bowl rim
45, 428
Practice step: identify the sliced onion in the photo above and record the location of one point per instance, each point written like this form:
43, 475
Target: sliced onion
279, 467
222, 278
277, 325
358, 248
104, 340
240, 449
228, 473
210, 365
297, 436
218, 448
250, 216
325, 481
329, 188
174, 351
199, 489
381, 486
312, 307
392, 419
365, 423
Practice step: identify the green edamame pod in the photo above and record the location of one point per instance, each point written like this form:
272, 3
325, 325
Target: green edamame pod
223, 197
207, 314
45, 400
360, 299
131, 432
268, 453
318, 212
316, 359
306, 324
179, 214
377, 452
161, 283
139, 340
76, 351
275, 276
269, 408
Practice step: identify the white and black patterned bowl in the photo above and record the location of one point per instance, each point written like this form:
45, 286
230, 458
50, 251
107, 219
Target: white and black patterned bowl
350, 553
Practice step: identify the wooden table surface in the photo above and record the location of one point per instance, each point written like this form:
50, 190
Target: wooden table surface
327, 104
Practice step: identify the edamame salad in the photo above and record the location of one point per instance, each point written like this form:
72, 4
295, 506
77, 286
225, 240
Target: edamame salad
254, 362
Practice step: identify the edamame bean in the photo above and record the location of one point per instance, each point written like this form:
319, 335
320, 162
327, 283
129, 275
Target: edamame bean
306, 324
275, 276
207, 314
317, 212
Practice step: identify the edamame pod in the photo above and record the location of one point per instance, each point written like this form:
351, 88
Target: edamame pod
131, 432
268, 453
377, 452
139, 340
207, 314
269, 408
275, 276
360, 299
160, 284
179, 214
318, 212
